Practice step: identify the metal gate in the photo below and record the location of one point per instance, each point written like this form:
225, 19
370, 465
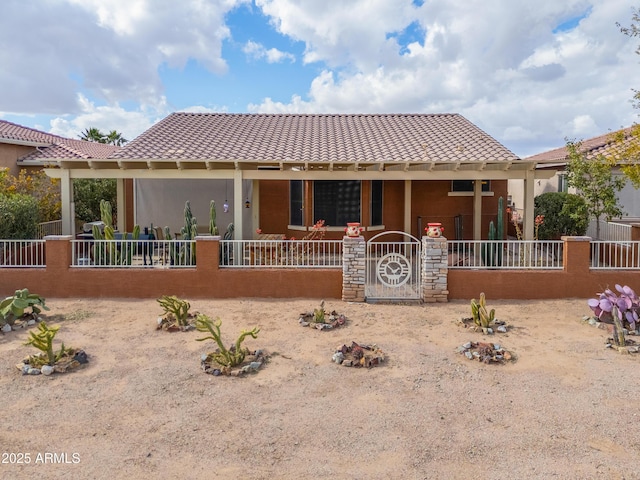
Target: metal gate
393, 268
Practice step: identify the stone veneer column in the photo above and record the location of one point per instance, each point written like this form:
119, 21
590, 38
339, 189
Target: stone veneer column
353, 269
434, 270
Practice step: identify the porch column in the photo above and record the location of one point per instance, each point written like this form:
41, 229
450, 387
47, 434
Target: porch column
407, 207
66, 199
353, 269
121, 205
477, 210
255, 205
238, 205
528, 220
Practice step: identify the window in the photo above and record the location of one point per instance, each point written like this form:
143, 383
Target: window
562, 182
467, 185
296, 195
376, 202
337, 202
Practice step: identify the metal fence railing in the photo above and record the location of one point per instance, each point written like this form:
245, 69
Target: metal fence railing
609, 231
618, 255
22, 253
133, 253
505, 254
49, 228
281, 254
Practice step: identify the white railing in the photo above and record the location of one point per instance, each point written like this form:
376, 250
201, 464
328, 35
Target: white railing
505, 254
609, 231
49, 228
22, 253
281, 254
133, 253
618, 255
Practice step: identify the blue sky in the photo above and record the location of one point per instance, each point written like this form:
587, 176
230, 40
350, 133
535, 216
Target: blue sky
528, 73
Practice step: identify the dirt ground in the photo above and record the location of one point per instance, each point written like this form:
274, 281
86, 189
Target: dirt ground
143, 408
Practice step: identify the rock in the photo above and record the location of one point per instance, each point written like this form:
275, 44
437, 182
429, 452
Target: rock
24, 368
303, 323
216, 372
160, 321
81, 357
496, 346
46, 370
634, 349
203, 357
258, 353
33, 371
468, 354
502, 329
255, 365
6, 328
338, 357
623, 350
66, 364
31, 322
347, 363
467, 345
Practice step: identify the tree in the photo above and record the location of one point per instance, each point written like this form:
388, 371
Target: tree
37, 184
87, 193
633, 31
564, 214
93, 134
18, 216
594, 181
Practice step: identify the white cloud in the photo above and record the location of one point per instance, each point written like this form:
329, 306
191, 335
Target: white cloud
106, 118
272, 55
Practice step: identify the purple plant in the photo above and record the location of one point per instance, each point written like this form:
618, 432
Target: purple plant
611, 308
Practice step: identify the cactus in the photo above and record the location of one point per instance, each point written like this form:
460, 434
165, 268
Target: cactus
213, 229
177, 307
500, 226
225, 357
481, 317
43, 341
107, 253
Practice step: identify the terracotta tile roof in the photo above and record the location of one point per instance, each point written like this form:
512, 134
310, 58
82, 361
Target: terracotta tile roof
602, 144
316, 138
51, 146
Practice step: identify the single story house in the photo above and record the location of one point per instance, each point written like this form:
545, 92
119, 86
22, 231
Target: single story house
555, 162
281, 173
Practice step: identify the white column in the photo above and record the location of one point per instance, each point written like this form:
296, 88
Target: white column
527, 221
255, 205
407, 207
238, 205
121, 205
66, 199
477, 210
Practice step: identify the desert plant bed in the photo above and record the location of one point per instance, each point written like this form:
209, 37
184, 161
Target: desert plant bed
320, 319
358, 355
486, 352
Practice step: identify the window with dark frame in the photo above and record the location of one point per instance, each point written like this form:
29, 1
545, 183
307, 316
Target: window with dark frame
337, 202
296, 195
376, 202
467, 185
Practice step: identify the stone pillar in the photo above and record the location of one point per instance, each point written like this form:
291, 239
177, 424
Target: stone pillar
353, 268
434, 270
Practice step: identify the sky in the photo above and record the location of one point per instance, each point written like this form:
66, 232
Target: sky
530, 74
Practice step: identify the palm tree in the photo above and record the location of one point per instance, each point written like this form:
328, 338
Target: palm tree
93, 134
115, 138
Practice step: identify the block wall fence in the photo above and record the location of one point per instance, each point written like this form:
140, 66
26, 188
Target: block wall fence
208, 280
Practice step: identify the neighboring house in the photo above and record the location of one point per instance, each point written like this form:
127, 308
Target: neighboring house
282, 173
23, 147
555, 162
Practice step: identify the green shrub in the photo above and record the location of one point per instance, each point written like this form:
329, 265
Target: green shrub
19, 217
564, 214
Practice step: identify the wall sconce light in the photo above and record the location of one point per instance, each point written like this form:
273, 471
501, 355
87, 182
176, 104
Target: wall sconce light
247, 203
225, 205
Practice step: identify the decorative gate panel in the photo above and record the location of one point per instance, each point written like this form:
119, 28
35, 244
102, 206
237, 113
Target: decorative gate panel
393, 268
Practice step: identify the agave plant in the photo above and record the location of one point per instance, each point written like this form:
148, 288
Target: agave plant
617, 309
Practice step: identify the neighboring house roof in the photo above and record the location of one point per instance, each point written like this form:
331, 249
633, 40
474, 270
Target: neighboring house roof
49, 146
316, 138
605, 145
